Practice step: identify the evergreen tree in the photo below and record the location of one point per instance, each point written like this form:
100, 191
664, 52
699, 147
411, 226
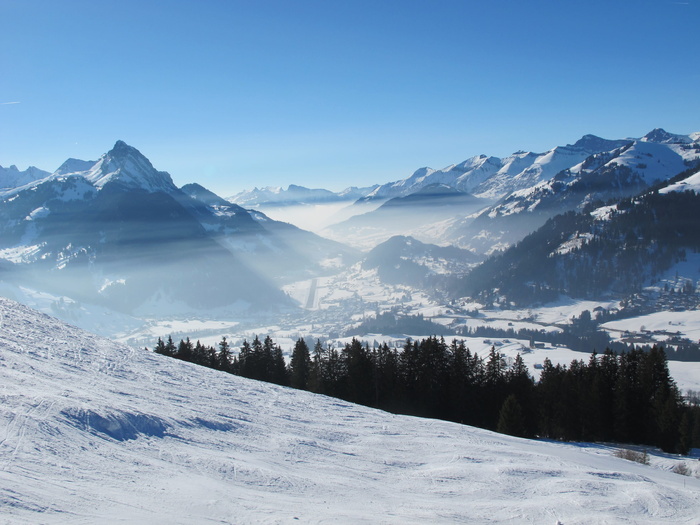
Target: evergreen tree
316, 373
199, 354
510, 418
170, 347
386, 377
245, 359
160, 347
359, 372
279, 368
223, 357
300, 366
185, 350
269, 362
519, 383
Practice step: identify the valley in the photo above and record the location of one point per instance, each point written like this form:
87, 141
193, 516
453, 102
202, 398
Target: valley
273, 278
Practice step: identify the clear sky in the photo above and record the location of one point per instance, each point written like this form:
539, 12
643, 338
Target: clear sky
332, 93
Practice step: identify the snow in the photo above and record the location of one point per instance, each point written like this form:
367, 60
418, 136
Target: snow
692, 183
604, 213
686, 324
93, 431
653, 161
686, 374
574, 243
21, 254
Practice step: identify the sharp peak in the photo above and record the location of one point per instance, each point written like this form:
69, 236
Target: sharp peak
122, 148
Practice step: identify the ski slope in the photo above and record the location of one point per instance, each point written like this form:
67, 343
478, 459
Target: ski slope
92, 431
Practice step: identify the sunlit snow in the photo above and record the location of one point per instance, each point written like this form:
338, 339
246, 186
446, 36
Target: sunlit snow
93, 431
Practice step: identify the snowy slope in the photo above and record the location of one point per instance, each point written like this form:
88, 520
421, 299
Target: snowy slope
92, 431
691, 183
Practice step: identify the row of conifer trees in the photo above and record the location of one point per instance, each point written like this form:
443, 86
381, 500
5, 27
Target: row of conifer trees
628, 397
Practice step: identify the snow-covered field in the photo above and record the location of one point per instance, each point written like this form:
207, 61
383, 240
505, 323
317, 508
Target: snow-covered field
94, 431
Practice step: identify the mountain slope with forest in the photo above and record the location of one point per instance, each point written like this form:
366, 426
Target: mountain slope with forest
615, 249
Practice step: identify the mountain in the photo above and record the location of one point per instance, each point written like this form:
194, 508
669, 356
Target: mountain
294, 195
407, 261
74, 166
119, 233
492, 177
614, 250
517, 194
619, 173
94, 431
12, 177
662, 136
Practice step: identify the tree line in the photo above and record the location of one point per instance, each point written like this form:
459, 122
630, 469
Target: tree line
642, 238
626, 397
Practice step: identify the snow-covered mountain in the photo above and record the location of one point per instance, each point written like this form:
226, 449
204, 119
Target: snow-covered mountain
93, 431
518, 193
119, 232
407, 261
294, 195
611, 250
613, 174
12, 177
493, 177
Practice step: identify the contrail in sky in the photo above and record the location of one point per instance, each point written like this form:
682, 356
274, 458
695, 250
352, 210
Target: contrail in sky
7, 103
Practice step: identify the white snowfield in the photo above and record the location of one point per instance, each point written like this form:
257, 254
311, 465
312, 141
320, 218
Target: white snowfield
92, 431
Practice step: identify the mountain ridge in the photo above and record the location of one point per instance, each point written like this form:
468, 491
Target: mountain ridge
97, 234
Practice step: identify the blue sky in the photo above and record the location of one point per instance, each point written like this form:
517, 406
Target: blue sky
235, 94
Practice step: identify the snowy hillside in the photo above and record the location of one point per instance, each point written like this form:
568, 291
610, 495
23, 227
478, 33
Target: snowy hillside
92, 431
691, 183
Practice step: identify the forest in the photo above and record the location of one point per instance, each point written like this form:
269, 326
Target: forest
642, 238
627, 397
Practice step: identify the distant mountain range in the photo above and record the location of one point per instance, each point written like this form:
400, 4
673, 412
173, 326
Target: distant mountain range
12, 177
294, 195
117, 232
514, 196
620, 172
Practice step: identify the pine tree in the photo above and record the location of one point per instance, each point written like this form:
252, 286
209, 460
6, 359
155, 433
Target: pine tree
170, 347
279, 368
300, 366
510, 419
268, 365
185, 350
520, 383
359, 373
223, 357
160, 347
316, 373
